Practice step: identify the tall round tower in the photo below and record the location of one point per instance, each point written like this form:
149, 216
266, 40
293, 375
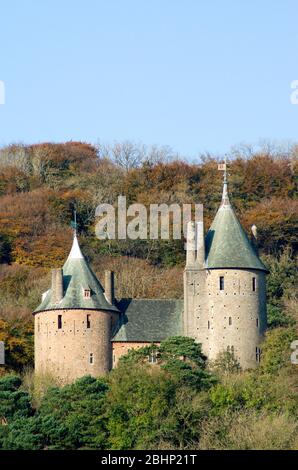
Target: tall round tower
225, 296
74, 322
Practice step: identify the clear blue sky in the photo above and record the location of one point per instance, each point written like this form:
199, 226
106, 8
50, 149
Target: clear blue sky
193, 74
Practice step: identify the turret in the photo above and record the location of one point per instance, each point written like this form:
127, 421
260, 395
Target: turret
225, 289
74, 322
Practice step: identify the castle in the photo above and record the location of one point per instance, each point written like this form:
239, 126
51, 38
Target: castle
81, 329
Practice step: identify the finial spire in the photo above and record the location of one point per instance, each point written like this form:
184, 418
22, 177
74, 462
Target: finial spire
225, 196
75, 251
73, 223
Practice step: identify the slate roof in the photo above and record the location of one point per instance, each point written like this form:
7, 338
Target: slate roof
149, 320
77, 276
226, 244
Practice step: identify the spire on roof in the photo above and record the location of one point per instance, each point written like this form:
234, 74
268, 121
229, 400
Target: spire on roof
75, 252
73, 223
227, 245
225, 196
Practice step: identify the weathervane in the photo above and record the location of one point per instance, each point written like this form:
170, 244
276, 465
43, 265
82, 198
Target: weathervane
223, 167
225, 196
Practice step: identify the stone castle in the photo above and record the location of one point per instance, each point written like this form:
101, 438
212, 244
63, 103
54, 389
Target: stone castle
81, 329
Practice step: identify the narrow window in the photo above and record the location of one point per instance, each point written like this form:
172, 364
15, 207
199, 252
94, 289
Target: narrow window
152, 358
221, 283
88, 321
230, 320
232, 350
208, 325
38, 325
254, 284
91, 358
257, 322
258, 354
59, 322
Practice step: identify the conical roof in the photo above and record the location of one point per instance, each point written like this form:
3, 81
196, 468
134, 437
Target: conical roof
227, 245
77, 276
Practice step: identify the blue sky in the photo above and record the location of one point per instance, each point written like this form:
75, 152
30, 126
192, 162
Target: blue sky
198, 75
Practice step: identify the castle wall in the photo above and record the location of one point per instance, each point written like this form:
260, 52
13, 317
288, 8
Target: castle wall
195, 302
121, 348
233, 318
65, 352
237, 314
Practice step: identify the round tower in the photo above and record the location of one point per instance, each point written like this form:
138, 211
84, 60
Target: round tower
74, 322
225, 296
235, 289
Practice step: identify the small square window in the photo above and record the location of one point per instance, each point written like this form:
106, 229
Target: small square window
87, 293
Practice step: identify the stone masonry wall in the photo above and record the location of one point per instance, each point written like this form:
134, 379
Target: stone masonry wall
121, 348
237, 314
233, 318
66, 352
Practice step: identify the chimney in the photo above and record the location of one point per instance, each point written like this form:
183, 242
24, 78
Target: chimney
254, 230
191, 244
254, 237
110, 286
200, 240
57, 285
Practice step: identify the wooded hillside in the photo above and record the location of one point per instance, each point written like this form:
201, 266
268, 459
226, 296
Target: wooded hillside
40, 185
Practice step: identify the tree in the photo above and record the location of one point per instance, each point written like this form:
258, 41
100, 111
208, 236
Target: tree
281, 286
5, 249
226, 363
180, 357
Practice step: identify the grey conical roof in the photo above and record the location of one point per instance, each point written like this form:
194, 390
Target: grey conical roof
227, 245
77, 276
